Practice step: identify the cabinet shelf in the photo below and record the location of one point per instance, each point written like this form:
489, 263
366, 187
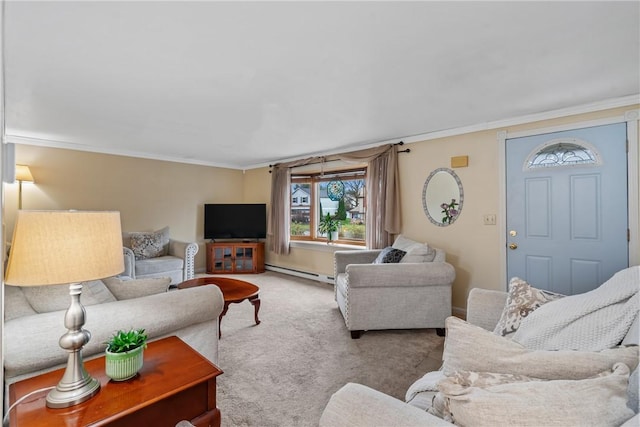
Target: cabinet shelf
235, 257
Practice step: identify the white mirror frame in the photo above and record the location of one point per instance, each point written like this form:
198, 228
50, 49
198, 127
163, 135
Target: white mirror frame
441, 186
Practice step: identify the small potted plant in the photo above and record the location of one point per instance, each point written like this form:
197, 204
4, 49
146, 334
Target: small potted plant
124, 354
329, 227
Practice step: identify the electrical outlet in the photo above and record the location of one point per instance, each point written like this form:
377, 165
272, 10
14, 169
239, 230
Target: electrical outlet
489, 219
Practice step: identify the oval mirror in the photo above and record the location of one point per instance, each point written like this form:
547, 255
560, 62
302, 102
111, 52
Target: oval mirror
442, 197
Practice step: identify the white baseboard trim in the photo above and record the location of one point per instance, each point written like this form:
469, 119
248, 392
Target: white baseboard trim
299, 273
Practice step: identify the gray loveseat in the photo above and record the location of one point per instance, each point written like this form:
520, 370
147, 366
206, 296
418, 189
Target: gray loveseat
358, 405
412, 293
34, 320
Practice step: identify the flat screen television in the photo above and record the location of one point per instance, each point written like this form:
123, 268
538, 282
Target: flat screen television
235, 221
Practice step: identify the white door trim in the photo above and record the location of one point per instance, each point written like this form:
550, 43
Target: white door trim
631, 119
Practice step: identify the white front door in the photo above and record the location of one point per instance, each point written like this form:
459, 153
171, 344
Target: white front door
567, 220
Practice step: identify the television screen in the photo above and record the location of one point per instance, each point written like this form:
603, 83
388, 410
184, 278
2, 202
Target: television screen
235, 221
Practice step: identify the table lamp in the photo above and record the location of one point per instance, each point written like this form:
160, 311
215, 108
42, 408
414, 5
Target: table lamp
58, 247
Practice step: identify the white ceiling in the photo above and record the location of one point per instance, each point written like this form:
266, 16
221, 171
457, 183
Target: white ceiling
245, 84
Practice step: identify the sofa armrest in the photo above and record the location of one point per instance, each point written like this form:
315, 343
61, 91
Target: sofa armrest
484, 307
357, 405
187, 251
160, 315
401, 274
343, 258
129, 263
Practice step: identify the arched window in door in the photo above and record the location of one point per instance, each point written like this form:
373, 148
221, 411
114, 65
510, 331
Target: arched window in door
562, 152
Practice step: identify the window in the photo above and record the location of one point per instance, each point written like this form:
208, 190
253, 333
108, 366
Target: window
341, 194
563, 152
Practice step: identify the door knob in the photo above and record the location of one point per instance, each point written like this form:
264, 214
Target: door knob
513, 246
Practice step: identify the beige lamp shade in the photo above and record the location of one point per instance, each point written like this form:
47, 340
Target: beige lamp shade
58, 247
23, 173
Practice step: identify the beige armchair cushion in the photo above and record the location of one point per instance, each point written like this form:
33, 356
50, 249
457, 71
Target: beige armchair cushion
44, 299
127, 289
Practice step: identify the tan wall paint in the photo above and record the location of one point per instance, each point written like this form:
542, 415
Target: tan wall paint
149, 194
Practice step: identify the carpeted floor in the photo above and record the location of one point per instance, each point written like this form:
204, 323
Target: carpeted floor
283, 371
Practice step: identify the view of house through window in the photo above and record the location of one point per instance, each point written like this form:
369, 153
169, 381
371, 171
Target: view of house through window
341, 194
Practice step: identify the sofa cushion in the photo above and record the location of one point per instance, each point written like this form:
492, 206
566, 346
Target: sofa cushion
404, 243
419, 253
44, 299
471, 348
152, 244
389, 255
127, 289
160, 264
521, 300
537, 403
16, 304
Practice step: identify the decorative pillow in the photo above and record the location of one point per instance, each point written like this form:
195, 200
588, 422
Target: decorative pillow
419, 253
521, 301
471, 348
538, 403
44, 299
404, 243
127, 289
389, 255
147, 245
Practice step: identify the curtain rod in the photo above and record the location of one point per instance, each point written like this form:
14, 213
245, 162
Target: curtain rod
406, 150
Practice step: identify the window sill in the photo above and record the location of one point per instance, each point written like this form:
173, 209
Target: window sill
323, 246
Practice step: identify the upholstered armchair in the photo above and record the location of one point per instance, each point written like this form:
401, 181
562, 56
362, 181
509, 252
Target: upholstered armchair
155, 254
412, 293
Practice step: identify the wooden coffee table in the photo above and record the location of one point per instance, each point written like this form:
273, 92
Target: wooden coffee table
233, 291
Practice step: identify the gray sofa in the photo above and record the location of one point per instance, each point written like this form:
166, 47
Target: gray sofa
34, 320
412, 293
358, 405
178, 262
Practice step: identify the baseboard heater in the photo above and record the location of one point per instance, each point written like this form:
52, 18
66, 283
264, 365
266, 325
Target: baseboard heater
300, 273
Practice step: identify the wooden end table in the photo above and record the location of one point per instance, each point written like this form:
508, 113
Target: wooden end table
233, 291
176, 383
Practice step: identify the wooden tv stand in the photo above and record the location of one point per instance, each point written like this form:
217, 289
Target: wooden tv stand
235, 257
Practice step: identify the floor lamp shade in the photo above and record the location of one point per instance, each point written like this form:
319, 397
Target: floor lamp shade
57, 247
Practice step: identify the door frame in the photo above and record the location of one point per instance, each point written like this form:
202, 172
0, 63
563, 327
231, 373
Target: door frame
631, 118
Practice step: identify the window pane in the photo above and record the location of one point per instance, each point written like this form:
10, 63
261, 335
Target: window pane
352, 211
300, 209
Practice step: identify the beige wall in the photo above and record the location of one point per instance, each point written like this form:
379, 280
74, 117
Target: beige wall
473, 248
151, 194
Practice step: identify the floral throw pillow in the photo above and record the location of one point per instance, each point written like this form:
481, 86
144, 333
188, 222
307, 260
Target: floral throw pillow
149, 245
521, 301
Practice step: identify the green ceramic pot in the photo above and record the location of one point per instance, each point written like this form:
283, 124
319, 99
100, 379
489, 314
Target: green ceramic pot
122, 366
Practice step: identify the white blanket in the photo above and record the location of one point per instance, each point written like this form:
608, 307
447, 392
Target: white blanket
592, 321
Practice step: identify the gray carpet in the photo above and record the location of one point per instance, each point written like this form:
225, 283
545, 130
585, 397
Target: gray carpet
283, 371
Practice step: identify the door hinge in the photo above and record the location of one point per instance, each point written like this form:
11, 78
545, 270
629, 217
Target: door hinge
628, 234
